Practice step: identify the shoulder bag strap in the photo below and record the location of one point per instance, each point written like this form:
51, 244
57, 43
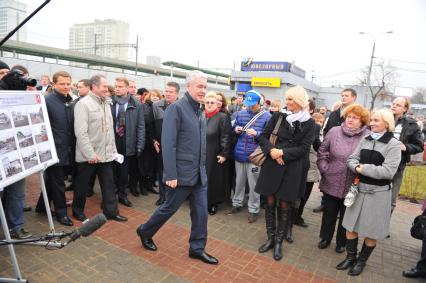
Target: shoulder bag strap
252, 120
277, 125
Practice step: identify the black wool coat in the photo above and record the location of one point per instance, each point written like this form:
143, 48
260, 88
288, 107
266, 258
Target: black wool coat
218, 143
286, 182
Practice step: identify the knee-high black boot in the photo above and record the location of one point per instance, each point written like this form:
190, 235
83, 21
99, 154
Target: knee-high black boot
270, 221
283, 216
291, 216
351, 249
361, 261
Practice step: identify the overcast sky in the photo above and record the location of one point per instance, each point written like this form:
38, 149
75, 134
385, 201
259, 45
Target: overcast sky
318, 35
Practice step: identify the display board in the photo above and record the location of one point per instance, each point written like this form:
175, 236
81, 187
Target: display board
26, 140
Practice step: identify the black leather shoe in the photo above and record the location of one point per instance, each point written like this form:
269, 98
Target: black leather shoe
213, 209
160, 201
20, 234
146, 243
414, 273
300, 222
340, 249
118, 217
318, 209
323, 244
65, 221
80, 217
125, 201
204, 257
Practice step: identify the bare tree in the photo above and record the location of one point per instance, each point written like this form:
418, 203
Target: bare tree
383, 79
419, 96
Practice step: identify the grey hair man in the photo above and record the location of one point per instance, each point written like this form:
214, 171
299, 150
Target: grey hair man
184, 154
171, 93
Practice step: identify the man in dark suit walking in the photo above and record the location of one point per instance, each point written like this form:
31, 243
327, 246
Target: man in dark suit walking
184, 155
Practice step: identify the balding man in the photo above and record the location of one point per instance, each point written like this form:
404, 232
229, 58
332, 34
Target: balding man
408, 132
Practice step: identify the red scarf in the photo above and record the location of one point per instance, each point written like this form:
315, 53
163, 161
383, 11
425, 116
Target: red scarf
211, 114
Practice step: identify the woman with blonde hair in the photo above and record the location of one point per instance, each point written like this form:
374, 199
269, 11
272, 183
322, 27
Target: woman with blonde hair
375, 160
217, 155
283, 175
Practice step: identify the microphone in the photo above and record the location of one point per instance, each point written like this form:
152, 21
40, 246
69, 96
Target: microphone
88, 227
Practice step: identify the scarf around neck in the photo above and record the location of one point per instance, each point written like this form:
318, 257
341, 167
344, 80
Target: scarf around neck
211, 114
301, 116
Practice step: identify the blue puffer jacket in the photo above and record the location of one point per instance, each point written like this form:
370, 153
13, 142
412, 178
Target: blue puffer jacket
247, 144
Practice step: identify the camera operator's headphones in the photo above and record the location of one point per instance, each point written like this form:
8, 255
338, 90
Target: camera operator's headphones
261, 100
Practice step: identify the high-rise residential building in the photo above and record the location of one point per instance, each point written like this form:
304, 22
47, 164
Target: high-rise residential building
102, 38
11, 14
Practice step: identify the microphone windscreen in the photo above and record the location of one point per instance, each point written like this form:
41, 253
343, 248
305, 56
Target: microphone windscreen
92, 225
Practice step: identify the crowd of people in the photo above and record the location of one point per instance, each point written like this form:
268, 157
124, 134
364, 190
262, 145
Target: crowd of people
197, 147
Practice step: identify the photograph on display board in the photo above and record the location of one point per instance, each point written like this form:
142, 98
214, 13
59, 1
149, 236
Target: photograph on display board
7, 142
36, 114
29, 157
44, 152
25, 137
5, 120
40, 133
20, 118
11, 164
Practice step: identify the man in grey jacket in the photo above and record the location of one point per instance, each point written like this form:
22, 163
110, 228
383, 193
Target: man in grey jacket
184, 155
129, 130
95, 149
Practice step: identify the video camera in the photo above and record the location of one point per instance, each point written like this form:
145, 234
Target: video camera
16, 80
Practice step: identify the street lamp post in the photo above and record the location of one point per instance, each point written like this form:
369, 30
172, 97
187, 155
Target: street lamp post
371, 61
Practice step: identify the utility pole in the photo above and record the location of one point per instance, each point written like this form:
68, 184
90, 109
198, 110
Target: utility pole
137, 49
369, 74
371, 63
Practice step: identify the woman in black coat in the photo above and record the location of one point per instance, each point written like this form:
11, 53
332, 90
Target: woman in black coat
218, 143
283, 174
147, 161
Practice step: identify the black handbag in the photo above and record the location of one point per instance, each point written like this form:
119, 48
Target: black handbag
418, 229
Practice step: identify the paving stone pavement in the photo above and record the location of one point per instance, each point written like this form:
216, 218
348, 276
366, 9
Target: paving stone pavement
114, 253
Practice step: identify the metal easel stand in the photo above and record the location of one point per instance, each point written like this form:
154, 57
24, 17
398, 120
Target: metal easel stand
11, 250
54, 243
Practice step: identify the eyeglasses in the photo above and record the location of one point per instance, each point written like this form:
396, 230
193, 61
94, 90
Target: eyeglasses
210, 102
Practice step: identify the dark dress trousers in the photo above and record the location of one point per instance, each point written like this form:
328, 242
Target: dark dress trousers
132, 142
184, 155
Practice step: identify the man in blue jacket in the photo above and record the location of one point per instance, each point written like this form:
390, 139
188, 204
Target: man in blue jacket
184, 156
249, 124
61, 116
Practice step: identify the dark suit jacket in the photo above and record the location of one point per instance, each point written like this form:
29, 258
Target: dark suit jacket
61, 116
335, 119
135, 126
184, 143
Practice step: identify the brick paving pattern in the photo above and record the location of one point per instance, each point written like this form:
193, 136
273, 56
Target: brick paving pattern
114, 253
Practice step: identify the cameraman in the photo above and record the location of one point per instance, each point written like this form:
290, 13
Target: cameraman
13, 197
